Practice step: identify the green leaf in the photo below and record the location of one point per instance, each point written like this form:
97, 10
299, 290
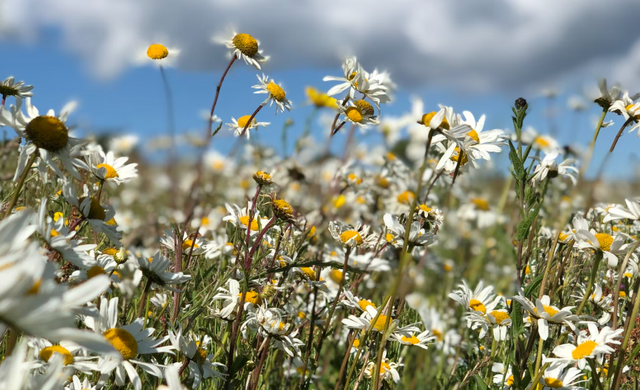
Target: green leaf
533, 285
480, 383
523, 227
239, 362
518, 167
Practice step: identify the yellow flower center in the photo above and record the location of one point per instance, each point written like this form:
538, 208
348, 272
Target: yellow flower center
563, 236
111, 222
389, 237
48, 132
476, 305
57, 216
438, 334
243, 120
605, 241
200, 356
425, 208
351, 235
474, 135
259, 174
622, 294
363, 303
447, 267
426, 120
382, 181
356, 343
320, 99
455, 157
245, 221
95, 271
354, 114
302, 315
339, 201
542, 142
110, 251
406, 197
509, 381
282, 208
253, 297
411, 340
380, 323
46, 353
157, 52
186, 245
54, 233
335, 275
96, 211
553, 383
635, 113
354, 178
499, 316
527, 270
384, 367
583, 350
111, 173
123, 341
309, 272
548, 309
365, 107
480, 204
276, 91
246, 44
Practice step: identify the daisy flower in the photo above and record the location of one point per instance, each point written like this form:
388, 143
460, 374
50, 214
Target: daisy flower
396, 233
546, 314
102, 265
482, 299
10, 88
359, 112
365, 320
555, 377
231, 297
480, 143
201, 365
156, 269
47, 135
617, 212
237, 126
349, 235
496, 320
588, 347
246, 47
502, 378
74, 356
106, 167
76, 384
421, 340
627, 107
549, 167
61, 240
168, 240
130, 341
388, 369
608, 245
160, 54
607, 96
240, 218
99, 216
356, 79
275, 93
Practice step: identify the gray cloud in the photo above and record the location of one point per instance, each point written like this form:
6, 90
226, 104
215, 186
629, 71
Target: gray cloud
477, 45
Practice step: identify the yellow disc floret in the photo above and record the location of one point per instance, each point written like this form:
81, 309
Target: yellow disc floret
282, 209
157, 52
351, 235
583, 350
364, 107
406, 197
276, 91
48, 132
605, 240
246, 44
500, 316
252, 297
46, 353
474, 135
553, 383
245, 221
426, 120
354, 114
243, 120
480, 204
95, 271
476, 305
111, 172
123, 341
413, 340
96, 211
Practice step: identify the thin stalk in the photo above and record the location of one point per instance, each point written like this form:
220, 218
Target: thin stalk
215, 100
627, 335
248, 124
594, 272
23, 177
616, 294
143, 298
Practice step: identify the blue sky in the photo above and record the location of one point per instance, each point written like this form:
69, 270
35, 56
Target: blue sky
133, 99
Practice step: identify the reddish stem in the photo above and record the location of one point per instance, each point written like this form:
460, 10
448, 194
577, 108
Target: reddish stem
246, 126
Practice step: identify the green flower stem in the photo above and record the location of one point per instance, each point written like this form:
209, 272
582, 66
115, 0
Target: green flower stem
594, 272
627, 334
23, 177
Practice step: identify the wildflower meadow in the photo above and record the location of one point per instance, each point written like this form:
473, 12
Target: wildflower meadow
418, 262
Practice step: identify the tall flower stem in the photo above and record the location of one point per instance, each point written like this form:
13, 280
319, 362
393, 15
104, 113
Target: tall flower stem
404, 258
627, 334
248, 124
215, 100
23, 177
592, 278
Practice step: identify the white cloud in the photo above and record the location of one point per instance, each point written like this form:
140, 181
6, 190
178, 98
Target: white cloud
465, 43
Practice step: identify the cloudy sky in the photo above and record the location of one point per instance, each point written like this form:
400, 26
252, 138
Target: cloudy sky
480, 53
